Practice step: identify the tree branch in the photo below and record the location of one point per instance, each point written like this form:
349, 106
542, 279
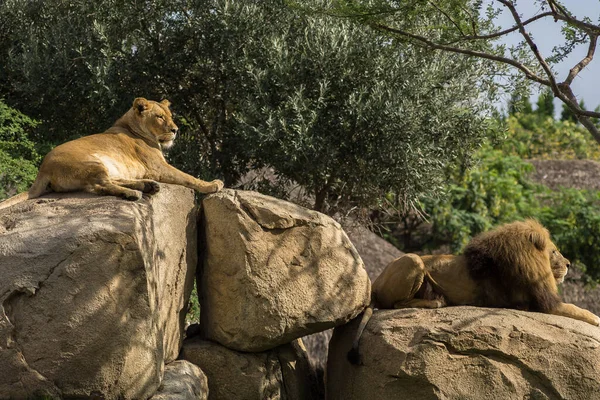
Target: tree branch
532, 45
584, 62
508, 30
423, 41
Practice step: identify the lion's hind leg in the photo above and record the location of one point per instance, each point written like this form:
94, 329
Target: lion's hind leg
400, 282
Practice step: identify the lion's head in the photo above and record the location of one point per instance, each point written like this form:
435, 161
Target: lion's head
540, 237
154, 119
560, 265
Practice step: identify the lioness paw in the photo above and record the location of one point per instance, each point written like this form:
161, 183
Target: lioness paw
132, 195
217, 185
151, 187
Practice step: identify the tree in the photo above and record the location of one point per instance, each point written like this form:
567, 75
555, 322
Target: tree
335, 107
568, 115
519, 103
466, 32
545, 104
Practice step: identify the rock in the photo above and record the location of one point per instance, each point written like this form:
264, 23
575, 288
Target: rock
376, 254
93, 293
281, 373
466, 353
182, 381
375, 251
274, 272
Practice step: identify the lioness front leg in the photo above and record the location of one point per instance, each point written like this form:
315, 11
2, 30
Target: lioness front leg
170, 174
144, 185
572, 311
111, 189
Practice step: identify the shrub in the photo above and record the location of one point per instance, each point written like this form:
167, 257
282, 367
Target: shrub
18, 155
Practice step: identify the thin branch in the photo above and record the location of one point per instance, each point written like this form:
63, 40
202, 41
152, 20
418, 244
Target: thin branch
560, 13
584, 62
508, 30
532, 45
448, 17
424, 41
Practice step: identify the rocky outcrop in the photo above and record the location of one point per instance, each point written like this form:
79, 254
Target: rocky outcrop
281, 373
466, 353
182, 381
93, 293
274, 272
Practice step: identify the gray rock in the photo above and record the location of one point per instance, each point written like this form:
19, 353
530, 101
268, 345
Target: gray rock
281, 373
466, 353
182, 381
274, 272
93, 292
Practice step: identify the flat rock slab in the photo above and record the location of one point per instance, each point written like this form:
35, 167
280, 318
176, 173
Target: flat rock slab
274, 271
466, 353
283, 373
93, 292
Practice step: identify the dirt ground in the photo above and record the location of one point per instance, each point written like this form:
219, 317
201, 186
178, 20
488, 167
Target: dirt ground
577, 174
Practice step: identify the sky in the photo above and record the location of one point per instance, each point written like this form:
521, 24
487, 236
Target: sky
547, 34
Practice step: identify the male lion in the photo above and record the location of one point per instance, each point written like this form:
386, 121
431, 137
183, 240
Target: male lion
124, 161
513, 266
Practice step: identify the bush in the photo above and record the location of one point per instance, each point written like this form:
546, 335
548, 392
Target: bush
534, 136
496, 191
18, 155
573, 218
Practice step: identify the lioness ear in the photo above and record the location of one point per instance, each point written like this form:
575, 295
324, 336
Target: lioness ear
166, 103
140, 104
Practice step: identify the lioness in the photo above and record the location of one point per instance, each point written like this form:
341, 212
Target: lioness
513, 266
124, 161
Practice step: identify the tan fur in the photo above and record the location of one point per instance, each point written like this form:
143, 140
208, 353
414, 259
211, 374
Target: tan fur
513, 266
124, 161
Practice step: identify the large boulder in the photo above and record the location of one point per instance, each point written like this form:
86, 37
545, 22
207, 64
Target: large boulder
274, 271
93, 293
182, 381
466, 353
282, 373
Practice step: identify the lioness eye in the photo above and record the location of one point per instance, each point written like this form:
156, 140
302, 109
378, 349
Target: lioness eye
160, 117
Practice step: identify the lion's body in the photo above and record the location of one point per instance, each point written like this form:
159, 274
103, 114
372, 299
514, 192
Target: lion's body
124, 161
513, 266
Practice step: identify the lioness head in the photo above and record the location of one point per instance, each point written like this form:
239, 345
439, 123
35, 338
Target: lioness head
155, 120
560, 265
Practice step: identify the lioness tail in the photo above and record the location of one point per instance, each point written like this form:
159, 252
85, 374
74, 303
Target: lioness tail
39, 187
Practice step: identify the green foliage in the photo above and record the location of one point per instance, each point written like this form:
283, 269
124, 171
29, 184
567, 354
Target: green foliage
18, 156
495, 191
568, 115
533, 136
573, 218
333, 106
519, 103
545, 104
193, 312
